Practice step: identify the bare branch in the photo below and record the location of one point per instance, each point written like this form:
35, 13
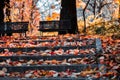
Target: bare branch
86, 5
106, 4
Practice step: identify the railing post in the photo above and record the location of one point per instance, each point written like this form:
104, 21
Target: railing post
98, 45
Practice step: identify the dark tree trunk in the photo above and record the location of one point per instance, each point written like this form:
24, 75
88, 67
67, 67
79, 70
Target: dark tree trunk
68, 12
84, 17
119, 13
2, 5
94, 9
1, 15
8, 9
1, 11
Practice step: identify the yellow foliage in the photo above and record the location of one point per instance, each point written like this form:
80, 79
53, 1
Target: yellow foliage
80, 3
80, 24
117, 1
48, 18
18, 0
77, 3
55, 16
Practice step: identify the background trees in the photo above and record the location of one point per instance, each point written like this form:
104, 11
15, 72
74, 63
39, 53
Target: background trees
91, 14
97, 14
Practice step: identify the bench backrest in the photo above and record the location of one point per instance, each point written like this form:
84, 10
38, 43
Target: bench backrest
14, 27
54, 25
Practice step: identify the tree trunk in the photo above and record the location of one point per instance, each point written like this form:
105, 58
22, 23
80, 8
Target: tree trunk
84, 18
119, 11
2, 5
94, 9
1, 11
68, 12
